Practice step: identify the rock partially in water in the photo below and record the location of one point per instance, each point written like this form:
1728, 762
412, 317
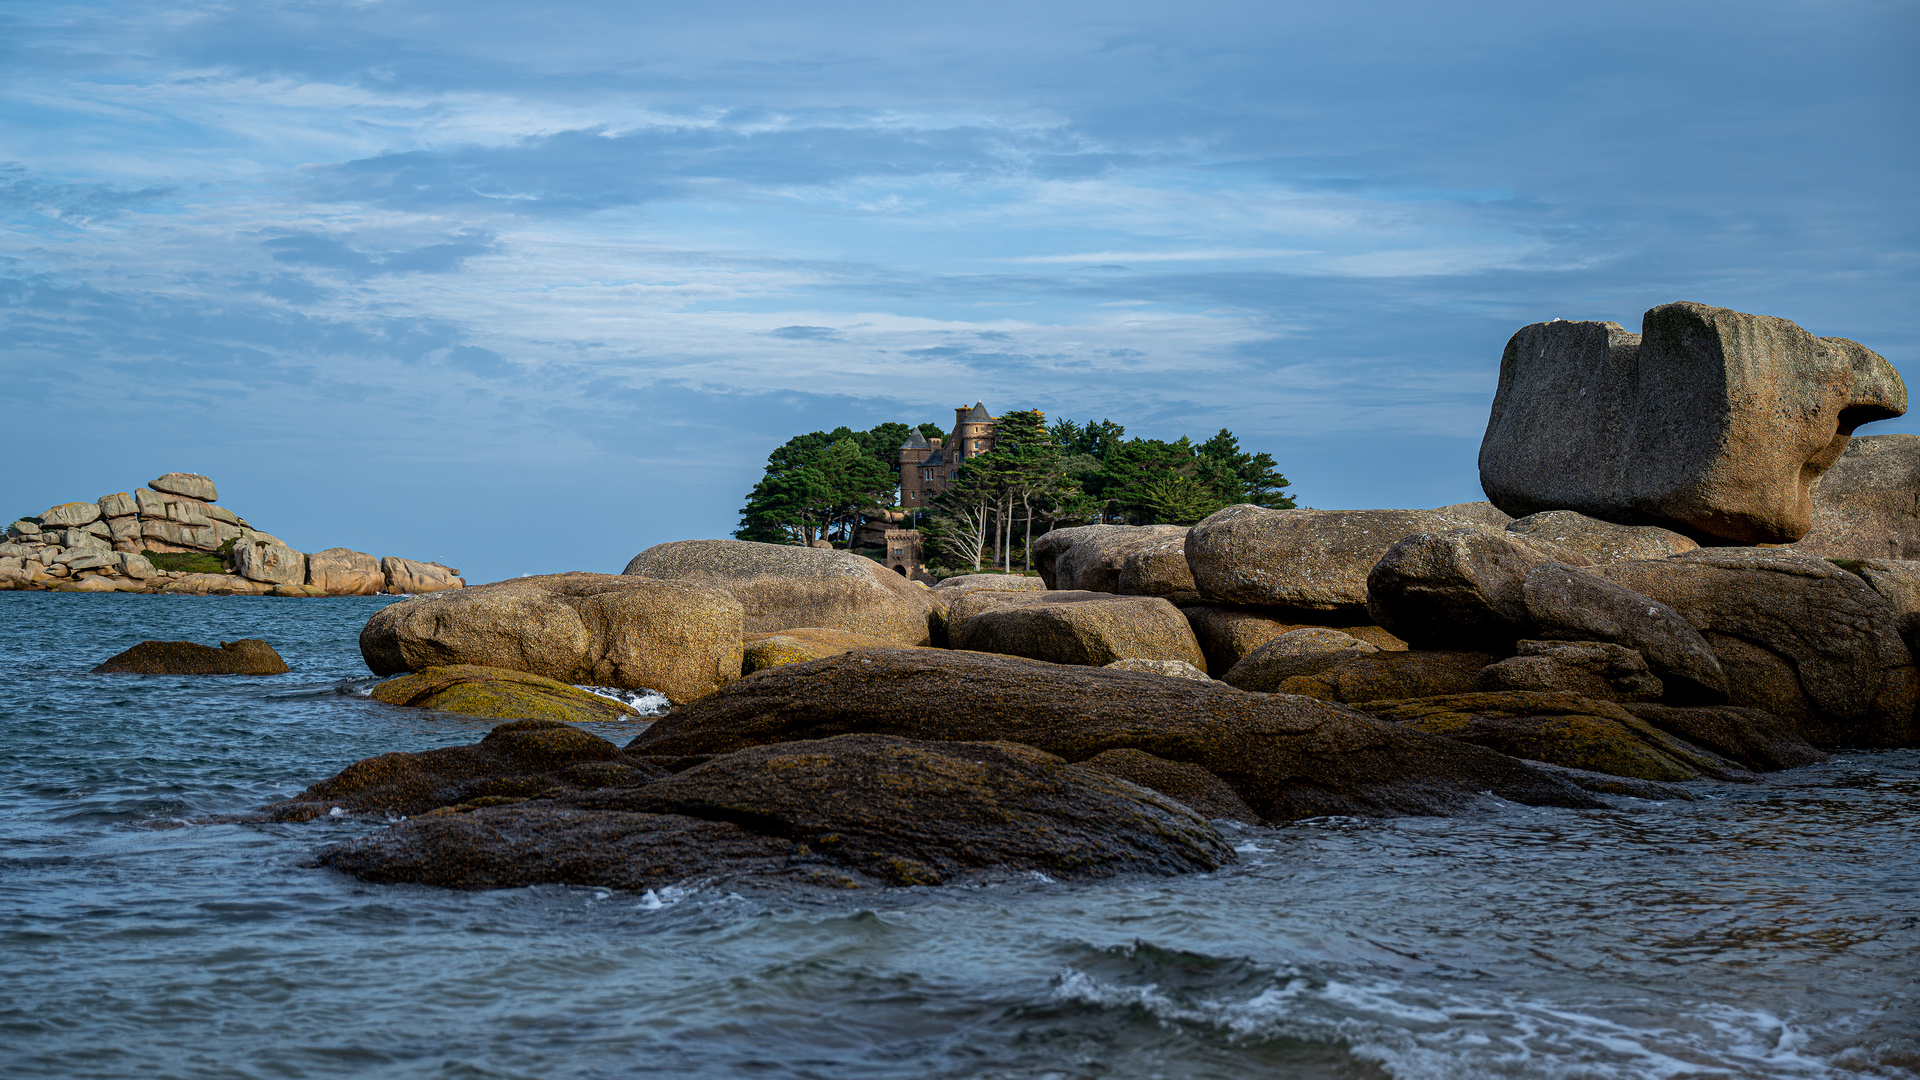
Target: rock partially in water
1608, 784
248, 656
1562, 729
500, 694
1286, 757
1758, 740
514, 762
1181, 780
851, 810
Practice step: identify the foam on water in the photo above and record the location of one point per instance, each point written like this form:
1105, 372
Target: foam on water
646, 702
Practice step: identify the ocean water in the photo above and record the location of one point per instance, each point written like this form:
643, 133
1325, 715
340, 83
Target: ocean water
1769, 930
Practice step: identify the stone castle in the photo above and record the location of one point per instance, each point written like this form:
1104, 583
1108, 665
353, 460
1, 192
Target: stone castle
927, 468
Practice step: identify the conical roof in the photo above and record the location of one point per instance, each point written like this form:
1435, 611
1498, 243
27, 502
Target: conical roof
916, 441
978, 415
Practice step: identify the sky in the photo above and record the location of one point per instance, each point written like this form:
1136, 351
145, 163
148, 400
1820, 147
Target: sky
527, 288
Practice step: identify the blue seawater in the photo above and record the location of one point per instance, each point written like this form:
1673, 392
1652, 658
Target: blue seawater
1770, 930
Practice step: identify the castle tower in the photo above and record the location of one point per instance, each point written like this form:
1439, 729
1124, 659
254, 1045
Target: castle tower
913, 486
972, 432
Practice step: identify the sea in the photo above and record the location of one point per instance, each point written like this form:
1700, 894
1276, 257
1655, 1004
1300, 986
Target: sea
1765, 930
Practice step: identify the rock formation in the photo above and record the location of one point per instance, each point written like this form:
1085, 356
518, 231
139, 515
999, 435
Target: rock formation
1709, 422
248, 656
105, 546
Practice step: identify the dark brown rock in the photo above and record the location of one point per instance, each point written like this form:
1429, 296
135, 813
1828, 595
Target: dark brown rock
1189, 783
1796, 636
1758, 740
1392, 675
1568, 604
514, 761
248, 656
1608, 784
1227, 635
876, 808
1286, 757
1296, 652
1459, 588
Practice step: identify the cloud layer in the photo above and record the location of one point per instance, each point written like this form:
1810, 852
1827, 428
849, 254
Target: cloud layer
399, 274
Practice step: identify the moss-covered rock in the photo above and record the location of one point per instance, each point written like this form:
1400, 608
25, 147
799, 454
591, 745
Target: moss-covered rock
500, 694
248, 656
762, 651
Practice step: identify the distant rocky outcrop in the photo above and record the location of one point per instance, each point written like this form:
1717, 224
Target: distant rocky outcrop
171, 537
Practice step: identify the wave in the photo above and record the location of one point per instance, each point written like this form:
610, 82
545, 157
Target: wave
647, 702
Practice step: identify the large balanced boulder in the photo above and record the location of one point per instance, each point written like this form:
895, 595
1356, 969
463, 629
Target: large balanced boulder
1286, 757
1091, 558
780, 586
852, 810
1601, 541
1709, 422
680, 638
191, 485
1303, 560
1080, 628
1797, 637
1868, 505
500, 694
247, 656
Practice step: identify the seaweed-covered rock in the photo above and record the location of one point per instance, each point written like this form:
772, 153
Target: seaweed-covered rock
680, 638
761, 651
1391, 676
247, 656
500, 694
871, 807
1287, 757
1296, 652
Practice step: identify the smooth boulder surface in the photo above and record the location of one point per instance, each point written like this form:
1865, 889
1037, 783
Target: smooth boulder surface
1415, 673
69, 515
1081, 628
1459, 588
800, 644
1797, 637
345, 572
1306, 560
259, 557
1602, 541
1599, 670
1709, 422
500, 694
1296, 652
247, 656
780, 587
680, 638
1568, 604
1867, 506
961, 583
1286, 757
191, 485
411, 577
1092, 558
852, 810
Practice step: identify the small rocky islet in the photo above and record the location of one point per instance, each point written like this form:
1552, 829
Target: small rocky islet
171, 537
1693, 591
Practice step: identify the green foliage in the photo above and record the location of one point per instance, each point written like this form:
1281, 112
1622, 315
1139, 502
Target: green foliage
1155, 482
186, 562
817, 485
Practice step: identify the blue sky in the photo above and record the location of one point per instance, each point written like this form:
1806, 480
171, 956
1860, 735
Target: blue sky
531, 287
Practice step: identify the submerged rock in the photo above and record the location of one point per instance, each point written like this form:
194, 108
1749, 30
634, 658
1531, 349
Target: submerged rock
1286, 757
500, 694
248, 656
851, 810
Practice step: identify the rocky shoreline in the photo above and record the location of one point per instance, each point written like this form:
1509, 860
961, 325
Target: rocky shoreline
170, 537
842, 725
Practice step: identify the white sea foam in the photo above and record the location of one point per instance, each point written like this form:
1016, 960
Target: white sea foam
665, 896
648, 702
1413, 1032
